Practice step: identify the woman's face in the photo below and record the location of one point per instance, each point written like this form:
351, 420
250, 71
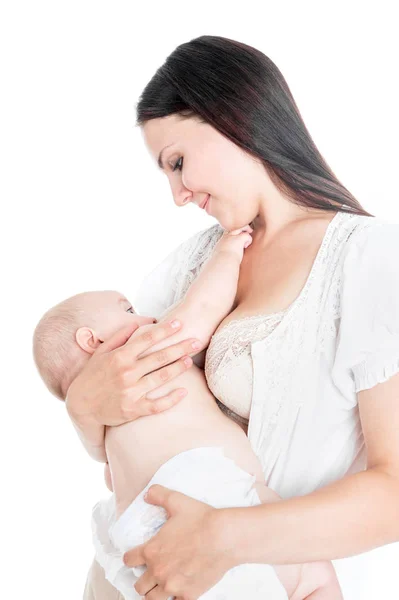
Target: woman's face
198, 160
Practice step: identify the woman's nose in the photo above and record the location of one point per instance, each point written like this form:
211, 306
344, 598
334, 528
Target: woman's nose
182, 196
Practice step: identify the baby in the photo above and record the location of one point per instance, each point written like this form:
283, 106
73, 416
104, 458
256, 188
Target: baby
193, 447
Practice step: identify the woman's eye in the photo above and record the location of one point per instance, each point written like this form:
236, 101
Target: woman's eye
130, 310
178, 166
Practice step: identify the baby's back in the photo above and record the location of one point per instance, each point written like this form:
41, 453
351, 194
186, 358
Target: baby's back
137, 449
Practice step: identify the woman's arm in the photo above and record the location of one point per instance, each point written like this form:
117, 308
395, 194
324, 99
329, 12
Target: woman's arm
199, 543
350, 516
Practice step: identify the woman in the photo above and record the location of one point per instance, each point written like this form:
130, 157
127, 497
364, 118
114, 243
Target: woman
308, 357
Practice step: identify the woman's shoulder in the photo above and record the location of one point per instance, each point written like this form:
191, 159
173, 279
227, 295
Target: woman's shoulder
368, 341
369, 264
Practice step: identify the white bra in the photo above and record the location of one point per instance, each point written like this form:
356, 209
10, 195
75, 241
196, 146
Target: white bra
228, 361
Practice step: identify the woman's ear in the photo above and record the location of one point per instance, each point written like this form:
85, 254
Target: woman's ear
87, 339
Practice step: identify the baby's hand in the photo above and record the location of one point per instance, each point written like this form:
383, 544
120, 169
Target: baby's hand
235, 241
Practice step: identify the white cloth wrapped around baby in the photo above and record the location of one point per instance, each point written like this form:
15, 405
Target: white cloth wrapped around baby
204, 474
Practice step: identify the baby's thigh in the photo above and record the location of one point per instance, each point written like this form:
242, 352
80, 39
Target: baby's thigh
301, 580
290, 576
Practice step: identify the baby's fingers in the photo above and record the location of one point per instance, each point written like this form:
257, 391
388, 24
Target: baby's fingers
247, 228
248, 243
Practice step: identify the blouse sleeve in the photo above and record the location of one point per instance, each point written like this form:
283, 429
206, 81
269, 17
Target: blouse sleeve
367, 349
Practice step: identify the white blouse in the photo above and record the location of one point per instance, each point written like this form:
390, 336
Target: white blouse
340, 336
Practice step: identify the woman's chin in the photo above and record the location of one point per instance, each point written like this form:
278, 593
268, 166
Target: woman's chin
229, 224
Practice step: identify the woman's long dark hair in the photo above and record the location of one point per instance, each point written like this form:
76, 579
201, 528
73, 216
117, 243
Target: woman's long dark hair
241, 93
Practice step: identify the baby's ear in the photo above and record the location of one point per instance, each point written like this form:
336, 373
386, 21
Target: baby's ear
87, 339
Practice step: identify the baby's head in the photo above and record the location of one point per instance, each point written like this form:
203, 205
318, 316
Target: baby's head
69, 333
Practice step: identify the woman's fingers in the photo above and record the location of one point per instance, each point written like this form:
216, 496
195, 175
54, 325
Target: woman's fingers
155, 379
152, 407
145, 583
141, 403
140, 341
116, 383
158, 594
119, 338
165, 356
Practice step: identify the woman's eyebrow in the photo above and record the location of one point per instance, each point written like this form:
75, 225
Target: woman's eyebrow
160, 164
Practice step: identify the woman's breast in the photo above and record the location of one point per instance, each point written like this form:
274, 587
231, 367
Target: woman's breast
228, 361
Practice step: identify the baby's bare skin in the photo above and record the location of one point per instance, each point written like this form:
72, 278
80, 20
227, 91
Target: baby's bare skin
136, 450
133, 449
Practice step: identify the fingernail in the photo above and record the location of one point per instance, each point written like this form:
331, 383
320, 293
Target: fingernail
175, 324
196, 345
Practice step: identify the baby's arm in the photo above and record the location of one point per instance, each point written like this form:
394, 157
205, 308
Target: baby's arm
210, 297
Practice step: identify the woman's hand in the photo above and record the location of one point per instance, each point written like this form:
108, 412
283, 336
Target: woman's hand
111, 389
189, 554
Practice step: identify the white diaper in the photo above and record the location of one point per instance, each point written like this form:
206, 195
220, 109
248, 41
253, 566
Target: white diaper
205, 474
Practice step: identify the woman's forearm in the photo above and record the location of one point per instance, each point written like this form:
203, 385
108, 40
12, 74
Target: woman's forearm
353, 515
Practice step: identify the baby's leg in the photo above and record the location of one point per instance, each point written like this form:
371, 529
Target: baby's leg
317, 581
308, 581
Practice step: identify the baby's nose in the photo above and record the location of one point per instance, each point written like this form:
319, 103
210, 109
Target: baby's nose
148, 320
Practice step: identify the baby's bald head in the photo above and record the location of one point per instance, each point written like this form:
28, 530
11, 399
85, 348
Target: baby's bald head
68, 334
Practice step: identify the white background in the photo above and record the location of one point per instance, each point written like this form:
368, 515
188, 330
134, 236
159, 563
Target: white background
83, 207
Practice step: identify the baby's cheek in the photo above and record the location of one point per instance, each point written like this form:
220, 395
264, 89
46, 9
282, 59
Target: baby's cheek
107, 477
